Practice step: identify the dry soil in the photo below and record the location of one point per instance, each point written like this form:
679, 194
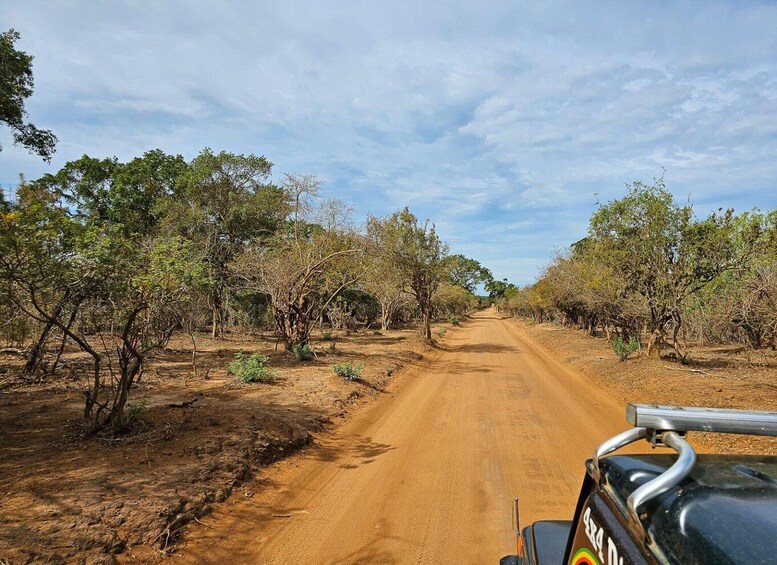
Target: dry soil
428, 475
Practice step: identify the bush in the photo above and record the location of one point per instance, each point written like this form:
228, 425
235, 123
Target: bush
623, 349
302, 352
348, 371
135, 411
453, 319
252, 369
326, 335
441, 331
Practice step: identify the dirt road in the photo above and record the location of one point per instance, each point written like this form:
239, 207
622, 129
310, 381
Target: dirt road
427, 473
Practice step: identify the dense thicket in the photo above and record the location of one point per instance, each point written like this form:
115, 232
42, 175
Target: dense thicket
649, 270
114, 257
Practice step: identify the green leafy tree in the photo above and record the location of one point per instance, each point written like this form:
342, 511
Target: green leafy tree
742, 304
664, 254
225, 202
37, 250
137, 311
382, 278
115, 293
496, 289
418, 255
466, 273
106, 191
92, 192
16, 85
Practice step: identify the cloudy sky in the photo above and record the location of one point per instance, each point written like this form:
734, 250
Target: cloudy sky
503, 122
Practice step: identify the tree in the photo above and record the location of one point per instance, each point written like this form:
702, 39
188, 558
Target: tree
742, 304
106, 193
37, 250
496, 289
418, 255
590, 294
753, 306
382, 279
225, 202
136, 312
115, 296
466, 273
301, 189
665, 255
16, 85
453, 299
303, 270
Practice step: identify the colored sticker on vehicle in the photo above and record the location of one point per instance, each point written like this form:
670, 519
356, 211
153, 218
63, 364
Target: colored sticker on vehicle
592, 543
584, 556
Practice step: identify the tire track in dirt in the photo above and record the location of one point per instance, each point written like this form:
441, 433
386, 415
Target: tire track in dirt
427, 473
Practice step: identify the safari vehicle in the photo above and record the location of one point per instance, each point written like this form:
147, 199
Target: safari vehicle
659, 508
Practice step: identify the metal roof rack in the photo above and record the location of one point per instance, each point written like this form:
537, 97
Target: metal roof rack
667, 426
689, 419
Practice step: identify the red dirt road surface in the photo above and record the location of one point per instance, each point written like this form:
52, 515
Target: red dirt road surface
427, 473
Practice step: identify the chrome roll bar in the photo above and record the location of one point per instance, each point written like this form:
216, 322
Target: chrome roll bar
666, 425
687, 419
614, 443
686, 459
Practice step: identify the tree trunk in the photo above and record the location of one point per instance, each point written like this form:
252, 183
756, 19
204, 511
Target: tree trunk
293, 327
38, 350
388, 312
218, 313
64, 342
194, 352
654, 342
384, 322
681, 355
91, 418
426, 321
130, 367
60, 352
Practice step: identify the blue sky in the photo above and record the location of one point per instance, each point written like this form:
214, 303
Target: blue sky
503, 122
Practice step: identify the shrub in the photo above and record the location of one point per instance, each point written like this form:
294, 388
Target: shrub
623, 349
135, 411
326, 335
302, 352
441, 331
252, 369
348, 371
453, 319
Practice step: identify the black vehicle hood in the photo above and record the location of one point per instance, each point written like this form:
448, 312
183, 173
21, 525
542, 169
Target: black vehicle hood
725, 511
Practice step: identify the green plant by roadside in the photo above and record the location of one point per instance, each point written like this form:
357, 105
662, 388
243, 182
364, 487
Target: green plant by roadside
326, 335
453, 319
623, 349
348, 371
252, 369
302, 352
135, 411
441, 331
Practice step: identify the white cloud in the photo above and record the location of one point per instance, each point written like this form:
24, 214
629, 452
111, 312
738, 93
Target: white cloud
500, 121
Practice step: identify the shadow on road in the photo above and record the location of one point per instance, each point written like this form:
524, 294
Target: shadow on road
357, 452
481, 348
